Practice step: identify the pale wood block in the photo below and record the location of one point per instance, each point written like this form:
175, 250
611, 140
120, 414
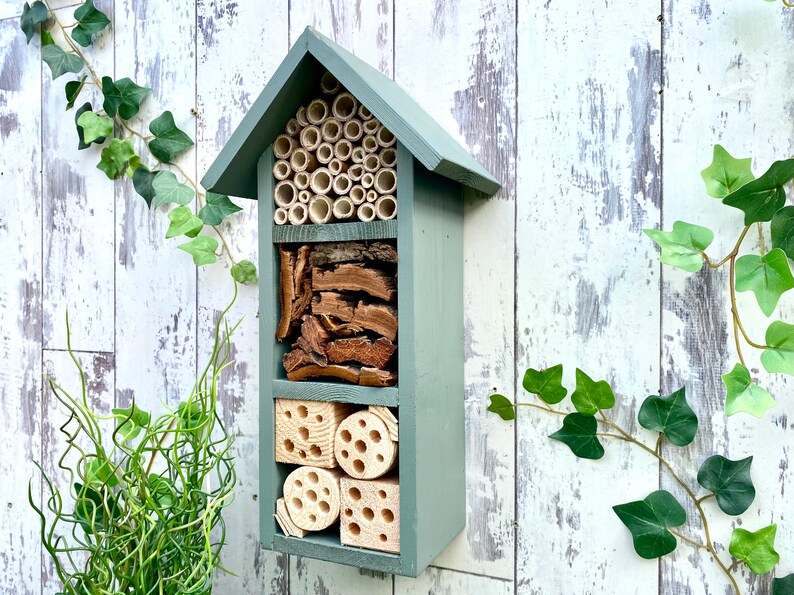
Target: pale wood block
284, 521
305, 431
388, 418
311, 495
363, 446
370, 515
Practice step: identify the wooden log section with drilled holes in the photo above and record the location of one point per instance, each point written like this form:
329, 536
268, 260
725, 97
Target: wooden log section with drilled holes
363, 446
312, 497
306, 430
370, 513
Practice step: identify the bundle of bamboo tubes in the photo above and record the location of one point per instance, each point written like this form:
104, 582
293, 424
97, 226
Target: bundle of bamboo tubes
335, 162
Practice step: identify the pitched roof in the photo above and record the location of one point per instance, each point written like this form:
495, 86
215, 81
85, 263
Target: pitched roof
294, 83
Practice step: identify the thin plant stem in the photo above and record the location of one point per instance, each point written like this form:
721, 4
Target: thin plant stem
697, 544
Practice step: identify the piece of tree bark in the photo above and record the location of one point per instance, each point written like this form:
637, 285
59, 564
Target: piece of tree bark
338, 252
375, 377
362, 350
347, 373
287, 291
356, 277
297, 358
334, 304
379, 318
314, 337
302, 284
340, 329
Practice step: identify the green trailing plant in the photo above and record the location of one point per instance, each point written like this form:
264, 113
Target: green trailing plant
142, 511
655, 521
148, 157
766, 273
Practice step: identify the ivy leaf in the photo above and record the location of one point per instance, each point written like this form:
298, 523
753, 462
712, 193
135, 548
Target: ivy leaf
757, 549
579, 433
115, 157
683, 247
761, 198
244, 272
94, 126
503, 407
130, 420
183, 222
768, 276
133, 164
169, 140
782, 228
90, 21
73, 89
168, 189
100, 473
59, 61
783, 585
726, 173
123, 97
33, 15
202, 249
730, 482
218, 207
81, 144
591, 396
142, 180
744, 395
670, 415
46, 38
649, 521
779, 354
547, 384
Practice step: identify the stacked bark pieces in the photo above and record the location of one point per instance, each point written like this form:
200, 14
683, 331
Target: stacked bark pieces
335, 162
338, 306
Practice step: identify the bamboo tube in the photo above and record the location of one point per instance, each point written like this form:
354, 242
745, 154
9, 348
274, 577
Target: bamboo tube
328, 84
367, 180
353, 130
298, 214
283, 146
372, 195
325, 152
355, 172
371, 162
293, 127
285, 194
304, 196
370, 143
357, 194
317, 111
301, 180
385, 137
302, 160
281, 169
358, 154
320, 181
371, 126
344, 106
343, 208
385, 181
336, 166
388, 157
280, 216
310, 138
342, 184
320, 209
300, 116
365, 212
386, 208
342, 149
331, 130
364, 113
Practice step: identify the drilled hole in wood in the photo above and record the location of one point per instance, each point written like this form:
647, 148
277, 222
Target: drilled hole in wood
302, 411
362, 423
354, 529
288, 445
288, 414
311, 495
302, 454
358, 466
345, 436
344, 454
312, 477
382, 537
387, 515
354, 493
379, 458
298, 483
312, 518
324, 506
297, 503
303, 433
374, 435
319, 418
368, 514
381, 494
326, 491
361, 446
348, 512
316, 451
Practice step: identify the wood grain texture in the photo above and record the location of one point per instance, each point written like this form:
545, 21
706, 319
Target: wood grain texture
587, 280
318, 578
728, 92
335, 232
473, 98
20, 309
439, 581
225, 90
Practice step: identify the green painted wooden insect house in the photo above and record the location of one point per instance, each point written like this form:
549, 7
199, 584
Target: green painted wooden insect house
361, 311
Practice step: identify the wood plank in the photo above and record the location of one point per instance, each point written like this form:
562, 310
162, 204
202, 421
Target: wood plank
20, 310
78, 216
587, 279
320, 578
439, 581
226, 89
726, 91
334, 232
473, 98
331, 391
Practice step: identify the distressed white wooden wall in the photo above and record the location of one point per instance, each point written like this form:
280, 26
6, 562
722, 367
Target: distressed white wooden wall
596, 117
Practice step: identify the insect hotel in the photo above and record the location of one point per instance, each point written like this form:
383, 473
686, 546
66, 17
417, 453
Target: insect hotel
361, 311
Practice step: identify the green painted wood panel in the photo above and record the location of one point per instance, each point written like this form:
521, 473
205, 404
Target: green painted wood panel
342, 393
335, 232
325, 546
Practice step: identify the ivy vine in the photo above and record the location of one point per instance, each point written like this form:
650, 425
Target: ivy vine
156, 177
